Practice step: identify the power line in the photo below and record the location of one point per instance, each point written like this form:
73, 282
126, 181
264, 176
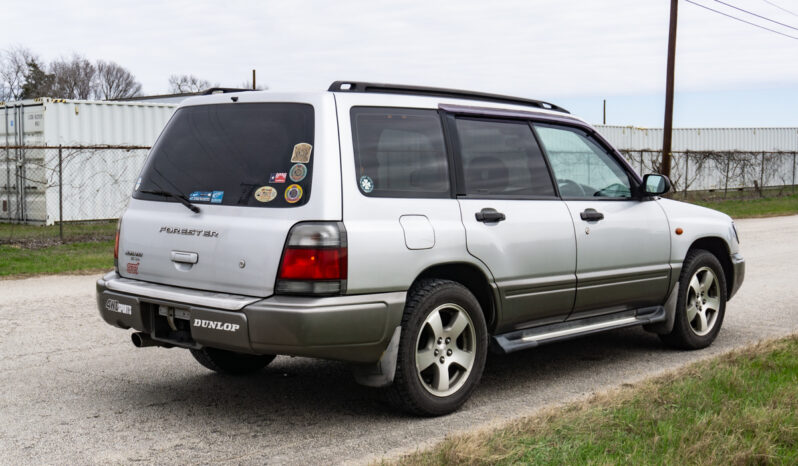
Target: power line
742, 20
781, 8
754, 14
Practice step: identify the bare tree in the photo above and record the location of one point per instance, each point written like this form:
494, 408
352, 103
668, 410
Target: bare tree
14, 66
248, 85
115, 82
74, 78
188, 83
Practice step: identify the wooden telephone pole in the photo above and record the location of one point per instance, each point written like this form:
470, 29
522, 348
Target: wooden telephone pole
666, 139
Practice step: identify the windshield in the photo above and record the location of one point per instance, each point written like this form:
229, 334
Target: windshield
255, 155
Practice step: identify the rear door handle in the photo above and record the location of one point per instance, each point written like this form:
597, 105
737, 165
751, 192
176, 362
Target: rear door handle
488, 215
185, 257
591, 215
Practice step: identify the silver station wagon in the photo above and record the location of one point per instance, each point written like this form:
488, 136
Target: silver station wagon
408, 231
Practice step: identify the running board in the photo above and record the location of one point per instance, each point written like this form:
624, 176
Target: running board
532, 337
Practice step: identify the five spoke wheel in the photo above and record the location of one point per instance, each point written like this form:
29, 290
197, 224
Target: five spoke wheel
445, 349
703, 301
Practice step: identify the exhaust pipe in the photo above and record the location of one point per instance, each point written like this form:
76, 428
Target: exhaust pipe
142, 340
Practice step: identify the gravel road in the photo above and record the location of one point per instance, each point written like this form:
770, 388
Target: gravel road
75, 390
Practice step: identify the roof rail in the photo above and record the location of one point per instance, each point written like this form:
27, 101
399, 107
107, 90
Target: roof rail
355, 86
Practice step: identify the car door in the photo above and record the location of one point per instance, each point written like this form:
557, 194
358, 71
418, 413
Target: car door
622, 241
514, 222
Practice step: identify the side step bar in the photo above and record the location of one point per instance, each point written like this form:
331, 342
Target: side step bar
532, 337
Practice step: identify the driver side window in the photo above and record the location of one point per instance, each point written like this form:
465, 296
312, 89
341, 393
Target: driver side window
582, 168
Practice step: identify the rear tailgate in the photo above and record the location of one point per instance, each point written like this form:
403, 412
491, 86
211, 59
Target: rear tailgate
237, 163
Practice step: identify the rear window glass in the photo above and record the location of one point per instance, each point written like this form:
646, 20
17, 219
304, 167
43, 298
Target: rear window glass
255, 155
399, 152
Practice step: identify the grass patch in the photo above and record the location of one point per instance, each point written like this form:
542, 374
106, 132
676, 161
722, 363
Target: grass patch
19, 261
758, 207
739, 408
46, 235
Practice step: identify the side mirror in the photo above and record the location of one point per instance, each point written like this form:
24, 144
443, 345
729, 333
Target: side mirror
654, 185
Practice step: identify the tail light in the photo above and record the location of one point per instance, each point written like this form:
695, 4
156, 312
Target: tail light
314, 260
116, 246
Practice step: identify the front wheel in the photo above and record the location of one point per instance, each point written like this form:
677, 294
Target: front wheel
442, 349
701, 303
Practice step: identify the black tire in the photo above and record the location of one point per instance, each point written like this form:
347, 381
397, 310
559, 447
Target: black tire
685, 335
229, 362
412, 390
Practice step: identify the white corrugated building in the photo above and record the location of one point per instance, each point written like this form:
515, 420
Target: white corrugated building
703, 139
96, 183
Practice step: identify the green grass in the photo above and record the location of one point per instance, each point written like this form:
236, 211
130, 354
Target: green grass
757, 207
17, 233
18, 261
739, 408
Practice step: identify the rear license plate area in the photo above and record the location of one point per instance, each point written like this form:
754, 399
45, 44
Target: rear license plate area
172, 324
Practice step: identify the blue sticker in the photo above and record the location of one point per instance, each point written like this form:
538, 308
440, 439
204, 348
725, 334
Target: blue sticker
200, 196
216, 197
366, 184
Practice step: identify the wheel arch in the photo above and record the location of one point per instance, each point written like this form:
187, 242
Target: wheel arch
473, 278
718, 247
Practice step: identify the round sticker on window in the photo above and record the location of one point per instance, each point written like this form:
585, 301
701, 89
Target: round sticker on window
366, 184
298, 172
138, 184
265, 194
293, 193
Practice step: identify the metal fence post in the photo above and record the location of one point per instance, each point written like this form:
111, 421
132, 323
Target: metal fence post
686, 166
762, 176
793, 171
60, 194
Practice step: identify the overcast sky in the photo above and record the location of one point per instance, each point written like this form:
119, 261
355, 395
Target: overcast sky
573, 53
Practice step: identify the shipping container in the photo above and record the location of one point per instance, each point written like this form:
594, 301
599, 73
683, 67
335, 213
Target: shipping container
95, 183
627, 138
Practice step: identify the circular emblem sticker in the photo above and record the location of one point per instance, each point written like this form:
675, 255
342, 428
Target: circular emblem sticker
293, 193
298, 172
366, 184
265, 194
138, 184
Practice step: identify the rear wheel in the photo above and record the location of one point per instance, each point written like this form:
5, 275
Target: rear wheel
229, 362
441, 351
701, 304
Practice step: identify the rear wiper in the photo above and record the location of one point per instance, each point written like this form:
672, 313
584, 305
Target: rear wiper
183, 200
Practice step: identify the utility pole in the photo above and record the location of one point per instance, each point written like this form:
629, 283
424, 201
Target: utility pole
604, 120
667, 133
253, 80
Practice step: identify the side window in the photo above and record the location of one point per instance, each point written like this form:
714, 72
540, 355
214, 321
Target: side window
399, 152
502, 158
581, 166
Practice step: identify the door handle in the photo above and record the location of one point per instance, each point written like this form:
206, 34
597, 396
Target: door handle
185, 257
487, 215
591, 215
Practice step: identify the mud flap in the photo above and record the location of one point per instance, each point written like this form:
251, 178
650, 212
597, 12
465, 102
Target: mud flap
381, 373
666, 326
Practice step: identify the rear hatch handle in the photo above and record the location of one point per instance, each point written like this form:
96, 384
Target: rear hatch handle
184, 257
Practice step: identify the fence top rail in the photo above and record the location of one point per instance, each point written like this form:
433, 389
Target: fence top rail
95, 147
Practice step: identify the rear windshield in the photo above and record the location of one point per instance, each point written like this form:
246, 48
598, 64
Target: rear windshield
255, 155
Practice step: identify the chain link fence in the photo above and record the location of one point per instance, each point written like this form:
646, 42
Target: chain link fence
719, 173
51, 194
64, 194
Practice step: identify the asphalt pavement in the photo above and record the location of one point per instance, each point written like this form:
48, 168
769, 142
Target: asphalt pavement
74, 390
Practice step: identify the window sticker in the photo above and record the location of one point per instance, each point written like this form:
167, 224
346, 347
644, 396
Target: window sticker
366, 184
298, 172
265, 194
277, 177
216, 197
293, 193
301, 153
200, 196
138, 184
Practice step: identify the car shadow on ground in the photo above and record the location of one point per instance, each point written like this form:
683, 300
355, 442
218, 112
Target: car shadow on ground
306, 392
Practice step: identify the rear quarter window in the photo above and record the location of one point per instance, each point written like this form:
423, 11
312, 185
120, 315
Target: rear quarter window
399, 152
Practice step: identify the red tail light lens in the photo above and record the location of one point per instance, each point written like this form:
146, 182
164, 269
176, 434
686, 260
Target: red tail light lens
314, 260
313, 264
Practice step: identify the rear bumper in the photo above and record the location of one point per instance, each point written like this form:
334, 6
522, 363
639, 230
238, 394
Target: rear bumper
738, 264
349, 328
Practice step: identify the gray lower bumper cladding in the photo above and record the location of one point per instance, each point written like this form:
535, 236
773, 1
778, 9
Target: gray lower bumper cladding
348, 328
